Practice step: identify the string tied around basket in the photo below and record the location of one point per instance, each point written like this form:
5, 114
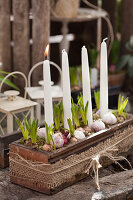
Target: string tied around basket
95, 163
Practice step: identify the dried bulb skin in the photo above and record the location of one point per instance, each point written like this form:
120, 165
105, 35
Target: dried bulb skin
109, 118
120, 119
46, 147
79, 134
65, 139
98, 113
87, 129
73, 139
98, 125
58, 140
80, 129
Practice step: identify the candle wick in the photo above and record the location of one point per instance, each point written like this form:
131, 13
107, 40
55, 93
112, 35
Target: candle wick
83, 47
105, 39
63, 50
45, 57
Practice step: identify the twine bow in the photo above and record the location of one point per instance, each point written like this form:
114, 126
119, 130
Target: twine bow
95, 164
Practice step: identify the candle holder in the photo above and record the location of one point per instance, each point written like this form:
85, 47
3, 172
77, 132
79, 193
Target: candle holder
36, 93
57, 158
74, 139
50, 172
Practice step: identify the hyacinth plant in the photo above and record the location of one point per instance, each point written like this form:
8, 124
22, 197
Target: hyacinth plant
97, 99
96, 114
75, 114
71, 127
29, 129
23, 129
122, 103
32, 129
121, 106
49, 142
83, 110
49, 133
62, 115
58, 115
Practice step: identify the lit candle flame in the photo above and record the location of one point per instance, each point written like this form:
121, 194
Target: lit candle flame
46, 51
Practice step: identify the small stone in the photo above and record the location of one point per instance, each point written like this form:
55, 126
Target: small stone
98, 196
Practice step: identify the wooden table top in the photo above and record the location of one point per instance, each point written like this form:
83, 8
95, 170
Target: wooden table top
18, 104
84, 14
38, 92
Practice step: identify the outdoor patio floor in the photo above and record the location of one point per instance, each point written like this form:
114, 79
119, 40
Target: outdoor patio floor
113, 186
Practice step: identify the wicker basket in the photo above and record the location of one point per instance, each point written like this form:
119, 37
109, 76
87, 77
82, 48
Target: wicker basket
64, 9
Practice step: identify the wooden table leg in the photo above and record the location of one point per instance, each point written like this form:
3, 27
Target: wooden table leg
64, 43
38, 112
32, 113
9, 123
99, 34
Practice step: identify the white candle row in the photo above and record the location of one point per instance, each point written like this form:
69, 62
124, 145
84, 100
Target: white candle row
85, 85
66, 89
103, 80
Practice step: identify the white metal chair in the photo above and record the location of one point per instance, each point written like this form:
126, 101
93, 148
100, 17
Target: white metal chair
10, 107
37, 93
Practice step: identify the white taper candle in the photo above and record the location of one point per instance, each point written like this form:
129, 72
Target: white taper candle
48, 106
103, 80
66, 89
86, 85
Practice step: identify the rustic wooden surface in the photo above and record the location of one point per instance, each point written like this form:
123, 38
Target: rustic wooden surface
113, 187
112, 10
21, 49
5, 34
21, 56
84, 33
4, 147
40, 35
126, 23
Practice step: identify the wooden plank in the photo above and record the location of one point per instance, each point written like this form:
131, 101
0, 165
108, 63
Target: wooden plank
126, 23
40, 34
21, 50
5, 29
111, 8
4, 147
